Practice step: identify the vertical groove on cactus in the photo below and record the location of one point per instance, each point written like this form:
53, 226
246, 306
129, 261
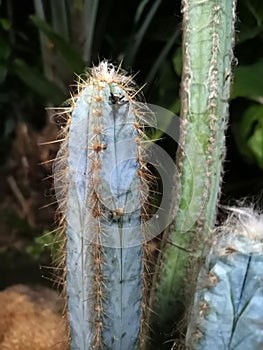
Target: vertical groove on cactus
207, 55
227, 309
101, 183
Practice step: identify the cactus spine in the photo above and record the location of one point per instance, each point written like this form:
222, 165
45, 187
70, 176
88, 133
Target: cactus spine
227, 310
208, 31
101, 170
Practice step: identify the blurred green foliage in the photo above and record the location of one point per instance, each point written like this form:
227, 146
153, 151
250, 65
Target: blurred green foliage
47, 242
250, 134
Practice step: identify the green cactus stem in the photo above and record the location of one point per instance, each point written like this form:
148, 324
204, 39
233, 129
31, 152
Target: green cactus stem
227, 312
208, 31
98, 176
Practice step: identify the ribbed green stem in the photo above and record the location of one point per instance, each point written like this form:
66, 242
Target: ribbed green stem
208, 31
227, 311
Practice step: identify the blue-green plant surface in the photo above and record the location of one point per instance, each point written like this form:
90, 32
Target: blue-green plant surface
227, 310
102, 156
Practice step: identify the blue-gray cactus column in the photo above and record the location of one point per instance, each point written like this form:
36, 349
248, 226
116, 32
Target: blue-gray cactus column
100, 168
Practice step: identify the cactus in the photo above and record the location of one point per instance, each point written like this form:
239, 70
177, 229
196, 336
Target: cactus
101, 184
208, 31
227, 309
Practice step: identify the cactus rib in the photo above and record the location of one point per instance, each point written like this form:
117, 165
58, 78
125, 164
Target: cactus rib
101, 170
227, 309
207, 55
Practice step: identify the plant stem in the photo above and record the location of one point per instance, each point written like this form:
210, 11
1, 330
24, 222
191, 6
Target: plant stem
90, 14
208, 31
99, 171
47, 53
137, 40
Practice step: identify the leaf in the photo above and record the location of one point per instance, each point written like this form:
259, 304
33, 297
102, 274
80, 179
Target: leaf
248, 81
36, 81
59, 18
72, 58
168, 84
255, 143
247, 33
5, 24
256, 9
5, 52
45, 242
139, 11
178, 61
3, 72
140, 34
250, 135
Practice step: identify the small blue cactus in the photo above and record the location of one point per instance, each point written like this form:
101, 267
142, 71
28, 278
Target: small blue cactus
227, 312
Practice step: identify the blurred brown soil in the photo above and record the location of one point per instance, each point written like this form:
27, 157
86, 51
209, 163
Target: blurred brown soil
30, 319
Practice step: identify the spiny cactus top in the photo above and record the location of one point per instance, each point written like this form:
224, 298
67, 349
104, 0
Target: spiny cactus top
101, 181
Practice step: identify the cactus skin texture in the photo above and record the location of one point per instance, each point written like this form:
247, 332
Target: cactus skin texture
100, 170
208, 31
227, 312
